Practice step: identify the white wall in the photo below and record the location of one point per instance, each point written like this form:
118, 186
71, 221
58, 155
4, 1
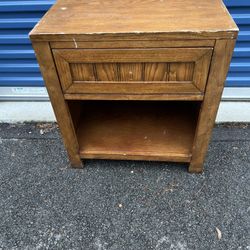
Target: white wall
17, 111
233, 112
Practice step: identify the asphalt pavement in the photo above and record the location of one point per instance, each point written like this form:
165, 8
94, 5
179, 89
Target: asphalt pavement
116, 205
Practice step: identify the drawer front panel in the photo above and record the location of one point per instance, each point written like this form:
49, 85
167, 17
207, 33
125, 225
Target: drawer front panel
126, 72
133, 71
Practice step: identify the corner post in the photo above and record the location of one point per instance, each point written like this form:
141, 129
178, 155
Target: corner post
222, 55
60, 106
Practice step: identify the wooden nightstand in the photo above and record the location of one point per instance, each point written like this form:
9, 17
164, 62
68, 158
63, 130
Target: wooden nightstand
139, 80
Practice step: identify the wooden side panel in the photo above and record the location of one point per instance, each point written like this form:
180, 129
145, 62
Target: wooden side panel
60, 106
220, 63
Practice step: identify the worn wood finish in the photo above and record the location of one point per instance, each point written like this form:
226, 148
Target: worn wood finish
133, 71
135, 79
137, 97
137, 130
45, 59
159, 88
135, 19
221, 59
132, 44
232, 34
114, 72
131, 55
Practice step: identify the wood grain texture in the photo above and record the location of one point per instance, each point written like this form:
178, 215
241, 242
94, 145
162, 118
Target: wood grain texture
201, 71
106, 71
131, 72
136, 97
147, 88
156, 71
135, 19
62, 64
132, 44
169, 72
220, 63
114, 72
137, 130
82, 72
45, 59
151, 71
131, 55
181, 72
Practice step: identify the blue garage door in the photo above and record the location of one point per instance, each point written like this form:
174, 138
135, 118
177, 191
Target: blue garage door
239, 74
18, 65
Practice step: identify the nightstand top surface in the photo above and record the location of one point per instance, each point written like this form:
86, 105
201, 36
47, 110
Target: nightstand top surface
199, 19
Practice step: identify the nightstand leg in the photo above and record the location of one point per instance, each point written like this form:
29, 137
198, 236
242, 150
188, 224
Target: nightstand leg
222, 54
76, 163
192, 168
60, 106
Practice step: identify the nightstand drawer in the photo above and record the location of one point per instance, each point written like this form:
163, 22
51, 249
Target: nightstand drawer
133, 71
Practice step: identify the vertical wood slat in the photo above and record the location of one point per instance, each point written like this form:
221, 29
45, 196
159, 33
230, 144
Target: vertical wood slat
107, 71
181, 71
155, 71
131, 72
60, 106
82, 72
221, 59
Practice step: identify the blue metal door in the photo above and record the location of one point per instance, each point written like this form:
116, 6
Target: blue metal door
239, 74
18, 66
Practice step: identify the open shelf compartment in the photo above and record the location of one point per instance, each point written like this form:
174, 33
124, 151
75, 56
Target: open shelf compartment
135, 130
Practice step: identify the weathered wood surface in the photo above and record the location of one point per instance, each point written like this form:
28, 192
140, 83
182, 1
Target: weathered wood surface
135, 19
47, 67
219, 67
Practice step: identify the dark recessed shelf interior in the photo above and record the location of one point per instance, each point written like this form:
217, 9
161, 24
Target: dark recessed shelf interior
138, 130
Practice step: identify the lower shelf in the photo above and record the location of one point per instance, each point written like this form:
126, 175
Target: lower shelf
162, 131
